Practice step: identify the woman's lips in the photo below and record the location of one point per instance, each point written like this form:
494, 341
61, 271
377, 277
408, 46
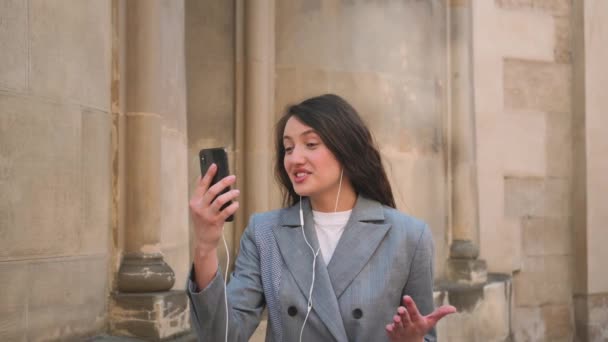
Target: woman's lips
300, 177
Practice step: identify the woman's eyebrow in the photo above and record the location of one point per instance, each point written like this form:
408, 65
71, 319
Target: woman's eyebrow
309, 131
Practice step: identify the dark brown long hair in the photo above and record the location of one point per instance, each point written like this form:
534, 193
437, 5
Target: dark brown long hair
347, 137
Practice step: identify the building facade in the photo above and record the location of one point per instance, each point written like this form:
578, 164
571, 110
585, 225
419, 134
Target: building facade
489, 115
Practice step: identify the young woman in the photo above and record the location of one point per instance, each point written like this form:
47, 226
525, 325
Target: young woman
338, 263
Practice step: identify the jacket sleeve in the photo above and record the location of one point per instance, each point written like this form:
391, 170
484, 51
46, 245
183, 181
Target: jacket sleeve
245, 298
420, 281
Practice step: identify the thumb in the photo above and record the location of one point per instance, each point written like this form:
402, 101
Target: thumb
439, 313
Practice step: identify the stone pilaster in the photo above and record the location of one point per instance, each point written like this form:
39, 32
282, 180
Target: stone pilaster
463, 264
144, 305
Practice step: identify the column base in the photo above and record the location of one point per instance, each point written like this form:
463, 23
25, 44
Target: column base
157, 316
467, 271
141, 272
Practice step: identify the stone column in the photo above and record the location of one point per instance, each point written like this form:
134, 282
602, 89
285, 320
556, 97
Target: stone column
258, 117
143, 305
590, 185
463, 265
143, 268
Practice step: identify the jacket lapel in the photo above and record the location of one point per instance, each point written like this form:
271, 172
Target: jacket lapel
364, 231
298, 259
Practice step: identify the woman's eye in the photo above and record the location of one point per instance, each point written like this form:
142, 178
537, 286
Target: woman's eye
288, 149
312, 145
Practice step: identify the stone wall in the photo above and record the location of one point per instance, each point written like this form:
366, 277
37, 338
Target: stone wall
55, 168
523, 94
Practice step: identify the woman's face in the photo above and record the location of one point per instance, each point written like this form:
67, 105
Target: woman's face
311, 166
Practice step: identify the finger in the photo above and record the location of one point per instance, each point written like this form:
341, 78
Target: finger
397, 322
207, 177
229, 210
405, 316
439, 313
412, 309
390, 332
217, 188
219, 202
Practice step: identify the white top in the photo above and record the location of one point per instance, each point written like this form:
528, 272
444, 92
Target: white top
329, 228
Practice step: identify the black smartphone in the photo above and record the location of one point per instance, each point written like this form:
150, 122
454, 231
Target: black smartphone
218, 155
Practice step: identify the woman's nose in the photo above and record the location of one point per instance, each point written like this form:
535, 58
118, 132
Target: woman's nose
296, 156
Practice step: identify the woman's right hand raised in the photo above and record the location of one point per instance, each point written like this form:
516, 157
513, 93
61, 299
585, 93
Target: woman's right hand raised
205, 208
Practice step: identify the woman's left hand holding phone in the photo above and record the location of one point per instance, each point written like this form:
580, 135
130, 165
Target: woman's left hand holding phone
208, 219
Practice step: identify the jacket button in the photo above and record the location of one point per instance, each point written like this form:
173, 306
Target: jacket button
292, 311
357, 313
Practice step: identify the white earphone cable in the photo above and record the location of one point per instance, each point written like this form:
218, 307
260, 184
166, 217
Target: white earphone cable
225, 283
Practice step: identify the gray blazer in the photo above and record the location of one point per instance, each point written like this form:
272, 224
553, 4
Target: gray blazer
382, 255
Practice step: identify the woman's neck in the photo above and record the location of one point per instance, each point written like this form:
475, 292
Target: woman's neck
327, 203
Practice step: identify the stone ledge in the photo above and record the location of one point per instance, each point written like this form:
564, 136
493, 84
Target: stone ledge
156, 316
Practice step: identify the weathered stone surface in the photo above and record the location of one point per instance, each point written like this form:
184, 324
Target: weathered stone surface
591, 316
66, 298
563, 39
97, 180
13, 301
13, 44
546, 236
527, 35
540, 86
555, 7
40, 177
511, 4
153, 317
524, 135
321, 35
70, 51
536, 197
485, 319
467, 271
558, 321
543, 280
559, 144
174, 229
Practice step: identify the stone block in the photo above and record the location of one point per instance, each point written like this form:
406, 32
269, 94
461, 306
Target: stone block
13, 44
155, 316
525, 143
210, 111
70, 49
543, 280
555, 7
558, 322
97, 181
40, 177
67, 297
559, 143
527, 35
527, 196
563, 39
68, 282
546, 236
514, 4
528, 324
322, 36
523, 90
213, 23
13, 301
485, 318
